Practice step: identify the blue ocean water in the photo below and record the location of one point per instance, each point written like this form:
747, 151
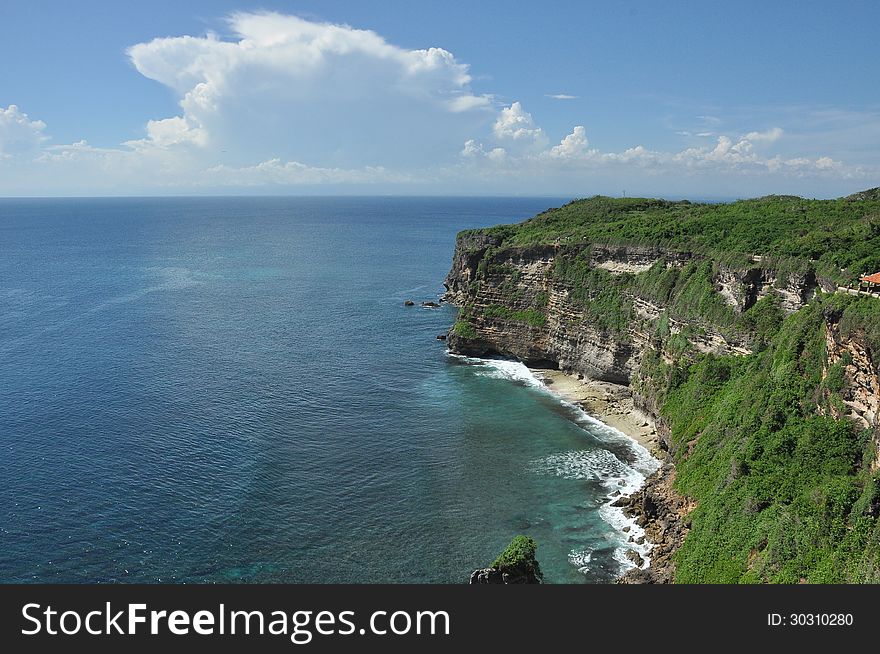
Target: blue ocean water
230, 389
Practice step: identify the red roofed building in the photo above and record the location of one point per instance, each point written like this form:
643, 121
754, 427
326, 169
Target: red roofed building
871, 281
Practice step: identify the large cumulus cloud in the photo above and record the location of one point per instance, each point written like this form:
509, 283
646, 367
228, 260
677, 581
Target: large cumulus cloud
284, 87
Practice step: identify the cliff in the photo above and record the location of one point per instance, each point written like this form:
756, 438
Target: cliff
688, 328
522, 303
850, 377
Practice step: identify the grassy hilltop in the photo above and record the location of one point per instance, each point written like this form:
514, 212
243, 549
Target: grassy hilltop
831, 234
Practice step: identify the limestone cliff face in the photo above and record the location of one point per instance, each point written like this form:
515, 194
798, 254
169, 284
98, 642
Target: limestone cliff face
469, 251
520, 279
633, 258
743, 288
484, 278
857, 381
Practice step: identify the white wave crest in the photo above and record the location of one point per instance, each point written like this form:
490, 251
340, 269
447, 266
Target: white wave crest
596, 464
581, 559
642, 459
503, 369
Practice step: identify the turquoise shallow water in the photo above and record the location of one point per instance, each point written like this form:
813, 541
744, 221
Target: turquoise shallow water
231, 389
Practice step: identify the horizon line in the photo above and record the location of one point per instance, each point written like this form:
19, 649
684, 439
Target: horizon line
570, 196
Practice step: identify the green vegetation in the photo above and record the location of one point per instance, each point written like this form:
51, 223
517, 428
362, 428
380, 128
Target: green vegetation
465, 330
839, 238
541, 299
689, 292
598, 292
532, 317
861, 317
518, 558
784, 491
762, 320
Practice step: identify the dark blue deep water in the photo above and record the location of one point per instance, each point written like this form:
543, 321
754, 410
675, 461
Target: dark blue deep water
231, 389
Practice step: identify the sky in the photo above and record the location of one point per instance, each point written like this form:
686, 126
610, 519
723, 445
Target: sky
698, 99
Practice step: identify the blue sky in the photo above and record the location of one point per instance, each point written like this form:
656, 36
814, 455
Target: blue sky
698, 99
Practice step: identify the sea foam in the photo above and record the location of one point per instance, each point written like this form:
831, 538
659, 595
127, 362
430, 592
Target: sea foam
503, 369
600, 465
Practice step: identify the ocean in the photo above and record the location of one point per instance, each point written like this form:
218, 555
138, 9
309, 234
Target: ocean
231, 390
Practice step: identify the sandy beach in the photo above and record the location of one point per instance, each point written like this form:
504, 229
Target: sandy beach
610, 403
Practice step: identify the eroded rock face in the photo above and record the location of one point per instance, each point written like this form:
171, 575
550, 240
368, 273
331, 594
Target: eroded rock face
521, 278
741, 289
487, 576
469, 251
664, 515
633, 258
859, 383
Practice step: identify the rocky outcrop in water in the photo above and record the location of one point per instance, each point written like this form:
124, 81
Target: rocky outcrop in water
496, 576
517, 564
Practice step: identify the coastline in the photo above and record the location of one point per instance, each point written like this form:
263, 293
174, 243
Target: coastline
610, 403
655, 515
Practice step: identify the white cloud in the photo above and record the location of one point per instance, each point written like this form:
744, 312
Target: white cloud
767, 136
276, 172
171, 132
300, 90
72, 152
497, 155
174, 169
561, 96
725, 157
18, 133
468, 102
685, 132
572, 145
516, 124
472, 149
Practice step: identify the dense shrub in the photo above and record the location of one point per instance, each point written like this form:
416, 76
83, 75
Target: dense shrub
783, 493
465, 330
518, 558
